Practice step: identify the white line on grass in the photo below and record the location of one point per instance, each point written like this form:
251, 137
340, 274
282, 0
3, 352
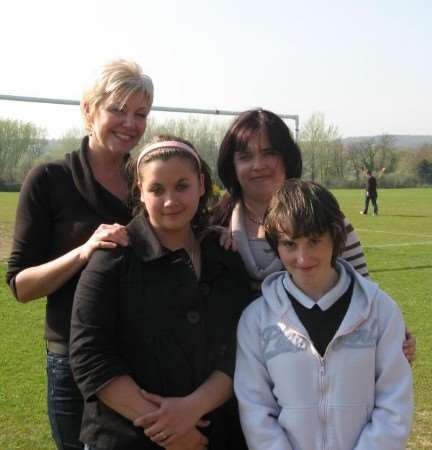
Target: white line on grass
406, 244
392, 232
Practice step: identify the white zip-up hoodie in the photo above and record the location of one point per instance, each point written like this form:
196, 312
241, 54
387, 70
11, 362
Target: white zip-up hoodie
357, 397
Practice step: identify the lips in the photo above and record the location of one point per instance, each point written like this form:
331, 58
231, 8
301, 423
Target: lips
306, 269
261, 178
172, 213
123, 136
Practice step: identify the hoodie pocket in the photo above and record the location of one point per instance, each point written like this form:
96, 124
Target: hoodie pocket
346, 422
301, 426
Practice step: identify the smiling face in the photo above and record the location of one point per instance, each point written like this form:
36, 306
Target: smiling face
170, 191
116, 129
259, 169
308, 259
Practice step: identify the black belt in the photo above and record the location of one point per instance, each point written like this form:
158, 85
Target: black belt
59, 347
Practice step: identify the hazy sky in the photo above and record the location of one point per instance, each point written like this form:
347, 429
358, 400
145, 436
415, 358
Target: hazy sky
365, 64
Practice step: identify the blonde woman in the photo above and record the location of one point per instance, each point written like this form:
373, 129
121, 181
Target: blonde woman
69, 208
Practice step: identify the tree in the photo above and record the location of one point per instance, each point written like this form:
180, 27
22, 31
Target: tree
424, 171
204, 134
322, 150
386, 156
70, 141
19, 142
371, 154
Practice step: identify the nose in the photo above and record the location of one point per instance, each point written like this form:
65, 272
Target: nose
303, 255
129, 120
258, 162
170, 199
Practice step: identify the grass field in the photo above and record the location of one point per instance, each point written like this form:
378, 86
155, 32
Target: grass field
398, 245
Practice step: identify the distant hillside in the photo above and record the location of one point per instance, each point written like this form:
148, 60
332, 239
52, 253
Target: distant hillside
399, 140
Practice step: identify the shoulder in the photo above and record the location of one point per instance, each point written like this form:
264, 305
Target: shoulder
212, 249
108, 260
252, 316
383, 307
47, 171
386, 304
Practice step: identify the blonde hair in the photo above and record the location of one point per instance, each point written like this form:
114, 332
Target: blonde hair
117, 81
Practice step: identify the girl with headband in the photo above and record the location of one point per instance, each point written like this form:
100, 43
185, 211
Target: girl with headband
153, 324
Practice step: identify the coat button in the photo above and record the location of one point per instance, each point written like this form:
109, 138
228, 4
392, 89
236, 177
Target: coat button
193, 317
204, 289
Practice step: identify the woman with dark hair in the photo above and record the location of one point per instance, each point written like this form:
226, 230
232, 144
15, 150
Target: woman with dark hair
256, 156
160, 316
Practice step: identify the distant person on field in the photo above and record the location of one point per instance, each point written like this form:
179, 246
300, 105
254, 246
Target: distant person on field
371, 192
319, 357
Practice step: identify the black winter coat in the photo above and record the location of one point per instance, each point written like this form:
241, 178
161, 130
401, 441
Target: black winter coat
141, 311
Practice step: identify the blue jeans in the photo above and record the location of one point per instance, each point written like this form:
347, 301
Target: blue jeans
65, 403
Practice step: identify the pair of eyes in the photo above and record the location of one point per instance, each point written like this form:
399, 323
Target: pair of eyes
120, 111
247, 155
158, 189
291, 244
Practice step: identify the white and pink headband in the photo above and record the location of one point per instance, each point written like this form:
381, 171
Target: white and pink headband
166, 144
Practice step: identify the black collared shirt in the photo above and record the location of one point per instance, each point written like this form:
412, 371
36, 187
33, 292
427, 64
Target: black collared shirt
322, 325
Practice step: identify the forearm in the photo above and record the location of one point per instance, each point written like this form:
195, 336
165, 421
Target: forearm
214, 392
123, 395
39, 281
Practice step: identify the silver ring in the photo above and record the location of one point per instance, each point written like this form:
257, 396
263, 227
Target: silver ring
163, 436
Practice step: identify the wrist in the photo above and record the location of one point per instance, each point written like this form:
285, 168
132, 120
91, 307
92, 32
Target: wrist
83, 254
196, 405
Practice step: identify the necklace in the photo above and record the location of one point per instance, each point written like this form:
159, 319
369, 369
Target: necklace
253, 218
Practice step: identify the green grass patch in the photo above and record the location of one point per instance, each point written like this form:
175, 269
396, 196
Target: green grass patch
398, 246
8, 203
23, 411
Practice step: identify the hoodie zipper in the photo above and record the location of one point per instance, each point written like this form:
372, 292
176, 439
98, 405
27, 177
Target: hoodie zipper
323, 402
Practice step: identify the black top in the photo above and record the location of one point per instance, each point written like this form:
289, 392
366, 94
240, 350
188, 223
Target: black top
322, 325
60, 206
371, 186
141, 311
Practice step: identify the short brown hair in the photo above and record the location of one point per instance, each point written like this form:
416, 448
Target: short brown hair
304, 208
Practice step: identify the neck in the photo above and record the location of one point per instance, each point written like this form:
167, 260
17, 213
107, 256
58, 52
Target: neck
109, 171
315, 289
99, 158
255, 207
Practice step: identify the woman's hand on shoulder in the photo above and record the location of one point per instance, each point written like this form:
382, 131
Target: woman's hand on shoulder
105, 236
225, 237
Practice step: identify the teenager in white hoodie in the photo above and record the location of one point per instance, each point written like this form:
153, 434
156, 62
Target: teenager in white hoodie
319, 359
